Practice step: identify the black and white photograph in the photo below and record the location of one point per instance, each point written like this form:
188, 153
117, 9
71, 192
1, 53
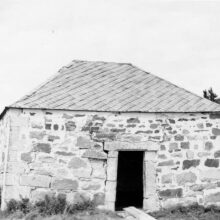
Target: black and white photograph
110, 109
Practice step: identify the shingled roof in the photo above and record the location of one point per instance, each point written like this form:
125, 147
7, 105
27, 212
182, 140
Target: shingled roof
112, 87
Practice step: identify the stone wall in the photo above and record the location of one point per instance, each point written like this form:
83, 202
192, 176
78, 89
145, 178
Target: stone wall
76, 153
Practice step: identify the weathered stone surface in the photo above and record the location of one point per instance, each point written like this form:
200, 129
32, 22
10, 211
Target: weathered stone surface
84, 142
151, 203
203, 154
122, 145
208, 146
37, 134
214, 115
184, 145
82, 172
46, 159
110, 191
15, 192
65, 184
179, 137
153, 126
216, 131
42, 147
105, 136
91, 186
35, 180
92, 154
27, 157
112, 165
67, 116
210, 174
190, 155
167, 178
70, 126
98, 169
190, 163
99, 199
212, 198
77, 163
217, 154
63, 153
177, 154
171, 193
172, 121
201, 187
97, 147
162, 156
212, 163
186, 177
53, 138
113, 154
133, 120
173, 146
81, 197
166, 163
37, 125
150, 156
149, 178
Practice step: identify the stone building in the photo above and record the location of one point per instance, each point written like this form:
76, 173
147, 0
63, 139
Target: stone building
114, 134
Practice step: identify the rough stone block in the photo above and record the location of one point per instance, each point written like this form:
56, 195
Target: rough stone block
11, 179
166, 163
217, 154
212, 162
167, 178
216, 131
113, 154
179, 137
186, 177
190, 155
149, 178
39, 135
27, 157
210, 174
91, 186
15, 192
77, 163
151, 203
112, 165
70, 126
110, 190
190, 163
208, 145
122, 145
64, 184
99, 199
171, 193
84, 142
35, 180
92, 154
150, 156
185, 145
173, 146
212, 198
42, 147
98, 169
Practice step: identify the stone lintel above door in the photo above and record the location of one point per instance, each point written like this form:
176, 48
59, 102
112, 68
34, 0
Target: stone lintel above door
124, 145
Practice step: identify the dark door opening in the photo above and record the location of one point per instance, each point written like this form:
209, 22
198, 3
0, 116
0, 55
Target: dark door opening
129, 180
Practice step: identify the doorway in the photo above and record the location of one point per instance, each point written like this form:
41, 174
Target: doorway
129, 190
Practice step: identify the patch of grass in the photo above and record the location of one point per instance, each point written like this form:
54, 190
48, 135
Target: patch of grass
192, 212
55, 208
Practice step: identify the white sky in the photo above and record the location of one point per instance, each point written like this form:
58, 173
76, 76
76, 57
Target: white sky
176, 40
